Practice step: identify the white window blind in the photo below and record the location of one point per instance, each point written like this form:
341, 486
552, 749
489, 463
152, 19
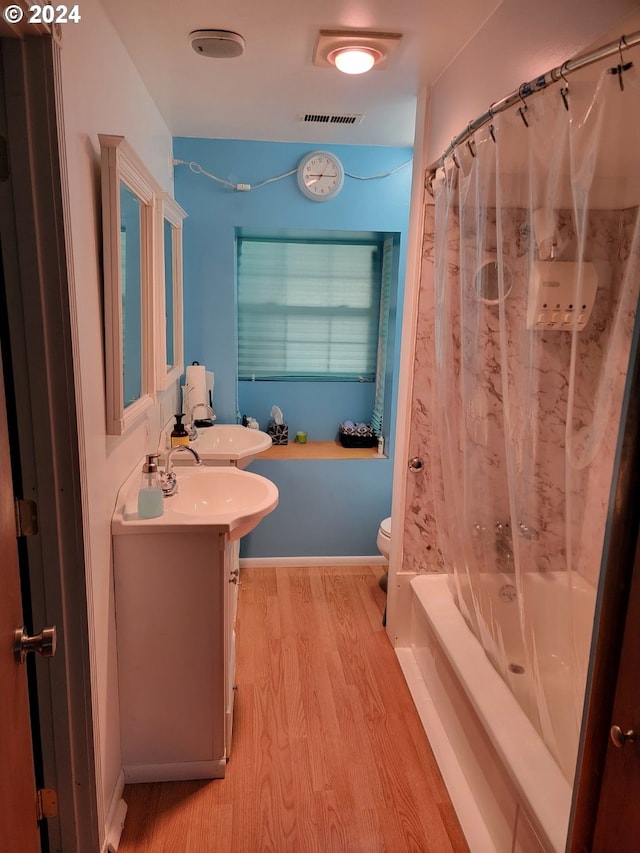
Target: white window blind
308, 309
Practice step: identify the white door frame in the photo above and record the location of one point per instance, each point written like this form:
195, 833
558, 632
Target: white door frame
36, 244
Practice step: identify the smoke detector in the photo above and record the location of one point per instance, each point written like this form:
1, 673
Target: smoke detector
217, 44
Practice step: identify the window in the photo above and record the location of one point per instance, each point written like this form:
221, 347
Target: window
309, 309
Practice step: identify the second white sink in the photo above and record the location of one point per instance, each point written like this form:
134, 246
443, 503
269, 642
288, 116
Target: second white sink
227, 444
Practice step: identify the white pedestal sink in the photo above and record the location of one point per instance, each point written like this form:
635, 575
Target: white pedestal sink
228, 444
176, 584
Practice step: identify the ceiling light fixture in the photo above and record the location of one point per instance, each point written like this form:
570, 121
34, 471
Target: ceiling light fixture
355, 60
354, 51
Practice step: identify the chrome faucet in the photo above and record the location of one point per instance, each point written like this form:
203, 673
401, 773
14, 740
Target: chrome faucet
208, 415
168, 480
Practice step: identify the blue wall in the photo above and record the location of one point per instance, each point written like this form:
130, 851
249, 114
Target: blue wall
327, 507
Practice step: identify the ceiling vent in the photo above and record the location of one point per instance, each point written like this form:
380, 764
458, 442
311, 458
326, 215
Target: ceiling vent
328, 118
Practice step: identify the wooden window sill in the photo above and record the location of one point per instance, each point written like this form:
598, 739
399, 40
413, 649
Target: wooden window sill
319, 450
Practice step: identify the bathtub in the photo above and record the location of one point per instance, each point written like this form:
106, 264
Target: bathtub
509, 791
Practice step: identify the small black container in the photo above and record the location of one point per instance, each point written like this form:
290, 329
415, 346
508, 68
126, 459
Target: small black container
361, 436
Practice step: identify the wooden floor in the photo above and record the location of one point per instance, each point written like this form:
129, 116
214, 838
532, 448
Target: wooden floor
328, 751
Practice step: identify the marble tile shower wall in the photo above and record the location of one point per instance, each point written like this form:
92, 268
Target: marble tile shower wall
539, 403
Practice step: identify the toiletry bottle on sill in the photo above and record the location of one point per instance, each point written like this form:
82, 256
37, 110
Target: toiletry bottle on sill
150, 503
179, 434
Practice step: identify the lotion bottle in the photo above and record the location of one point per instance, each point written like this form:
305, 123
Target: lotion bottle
150, 495
179, 434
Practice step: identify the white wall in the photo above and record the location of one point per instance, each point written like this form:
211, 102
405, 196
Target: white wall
103, 93
520, 41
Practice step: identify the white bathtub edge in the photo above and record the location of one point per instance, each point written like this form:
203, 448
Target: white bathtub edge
517, 742
469, 815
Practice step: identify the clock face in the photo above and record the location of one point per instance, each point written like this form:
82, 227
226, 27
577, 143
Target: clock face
320, 175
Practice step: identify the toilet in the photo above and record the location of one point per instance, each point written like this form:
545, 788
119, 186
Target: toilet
384, 546
384, 537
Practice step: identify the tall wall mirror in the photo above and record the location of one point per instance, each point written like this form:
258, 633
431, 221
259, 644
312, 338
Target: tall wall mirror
169, 336
128, 210
131, 216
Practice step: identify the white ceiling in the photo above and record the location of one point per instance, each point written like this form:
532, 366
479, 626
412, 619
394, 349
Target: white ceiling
261, 94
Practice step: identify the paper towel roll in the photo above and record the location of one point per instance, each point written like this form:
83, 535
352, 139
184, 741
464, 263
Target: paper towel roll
195, 385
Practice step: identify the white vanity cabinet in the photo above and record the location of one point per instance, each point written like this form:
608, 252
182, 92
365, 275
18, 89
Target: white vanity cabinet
176, 587
175, 599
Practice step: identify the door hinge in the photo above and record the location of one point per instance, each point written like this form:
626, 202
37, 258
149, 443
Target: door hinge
47, 803
26, 517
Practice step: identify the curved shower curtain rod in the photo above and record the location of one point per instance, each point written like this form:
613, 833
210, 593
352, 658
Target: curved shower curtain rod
526, 89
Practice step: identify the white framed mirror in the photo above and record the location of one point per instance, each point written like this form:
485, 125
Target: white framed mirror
169, 324
128, 201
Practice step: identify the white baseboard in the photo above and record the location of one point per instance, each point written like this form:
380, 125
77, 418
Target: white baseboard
283, 562
115, 818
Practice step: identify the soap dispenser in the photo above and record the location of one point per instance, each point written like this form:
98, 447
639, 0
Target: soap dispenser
150, 495
179, 434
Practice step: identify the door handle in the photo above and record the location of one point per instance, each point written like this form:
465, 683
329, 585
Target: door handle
44, 643
619, 738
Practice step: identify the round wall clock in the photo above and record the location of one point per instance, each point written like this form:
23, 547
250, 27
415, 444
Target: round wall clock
320, 175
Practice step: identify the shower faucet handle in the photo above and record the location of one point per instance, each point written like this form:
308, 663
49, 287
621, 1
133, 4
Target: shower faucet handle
527, 532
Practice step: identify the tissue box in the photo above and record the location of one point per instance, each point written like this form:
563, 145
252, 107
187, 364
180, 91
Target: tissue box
279, 432
356, 435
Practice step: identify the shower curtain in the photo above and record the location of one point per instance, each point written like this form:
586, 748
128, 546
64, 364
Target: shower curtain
537, 270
